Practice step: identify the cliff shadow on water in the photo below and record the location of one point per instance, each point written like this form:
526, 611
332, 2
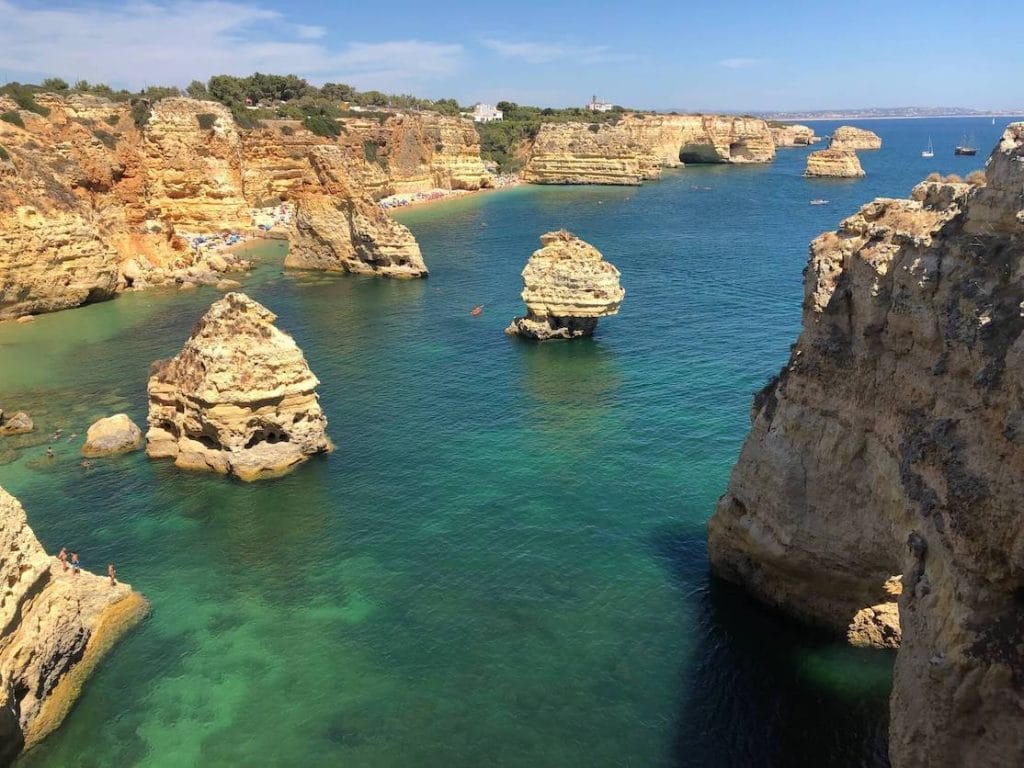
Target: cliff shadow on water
761, 690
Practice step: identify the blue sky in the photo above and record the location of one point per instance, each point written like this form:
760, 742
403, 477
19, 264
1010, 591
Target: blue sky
711, 55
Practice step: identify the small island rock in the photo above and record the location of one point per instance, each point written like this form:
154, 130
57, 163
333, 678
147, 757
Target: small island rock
567, 286
18, 423
238, 399
112, 435
849, 137
834, 163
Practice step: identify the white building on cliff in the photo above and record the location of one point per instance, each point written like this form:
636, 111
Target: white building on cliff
485, 113
599, 106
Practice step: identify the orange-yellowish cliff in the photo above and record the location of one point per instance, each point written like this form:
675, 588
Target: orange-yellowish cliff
97, 192
639, 146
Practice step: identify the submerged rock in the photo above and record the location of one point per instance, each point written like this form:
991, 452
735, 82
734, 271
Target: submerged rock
890, 448
567, 286
55, 626
17, 423
112, 435
834, 163
238, 399
849, 137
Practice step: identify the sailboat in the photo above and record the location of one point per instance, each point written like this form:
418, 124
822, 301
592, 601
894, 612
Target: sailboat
930, 152
966, 147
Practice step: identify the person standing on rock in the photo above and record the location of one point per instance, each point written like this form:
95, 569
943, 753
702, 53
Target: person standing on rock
63, 557
112, 573
76, 566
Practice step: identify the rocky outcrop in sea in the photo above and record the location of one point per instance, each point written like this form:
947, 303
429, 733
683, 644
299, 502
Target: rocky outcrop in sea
834, 163
238, 399
793, 136
849, 137
878, 492
567, 286
112, 435
55, 626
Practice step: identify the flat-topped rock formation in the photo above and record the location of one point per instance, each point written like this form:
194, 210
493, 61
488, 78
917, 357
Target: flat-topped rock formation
55, 626
849, 137
97, 194
238, 399
793, 135
834, 163
639, 146
885, 463
567, 286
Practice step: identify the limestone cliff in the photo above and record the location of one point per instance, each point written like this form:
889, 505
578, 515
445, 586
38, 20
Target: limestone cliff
849, 137
793, 135
424, 151
835, 163
238, 399
638, 146
567, 286
892, 445
55, 626
94, 196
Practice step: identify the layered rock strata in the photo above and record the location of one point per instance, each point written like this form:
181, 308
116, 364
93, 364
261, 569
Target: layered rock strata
793, 135
96, 197
567, 286
849, 137
834, 163
238, 399
639, 146
891, 447
55, 626
112, 435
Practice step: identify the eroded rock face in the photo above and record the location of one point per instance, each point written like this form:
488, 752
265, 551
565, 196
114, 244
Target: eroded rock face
112, 435
238, 399
639, 146
793, 135
567, 286
834, 163
95, 196
892, 445
849, 137
54, 628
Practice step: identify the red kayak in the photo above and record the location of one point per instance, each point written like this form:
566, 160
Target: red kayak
477, 310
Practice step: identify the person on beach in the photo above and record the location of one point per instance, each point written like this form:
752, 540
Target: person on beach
112, 573
63, 557
76, 567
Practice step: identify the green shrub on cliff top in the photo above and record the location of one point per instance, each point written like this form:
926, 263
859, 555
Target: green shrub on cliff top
25, 97
322, 125
13, 118
206, 120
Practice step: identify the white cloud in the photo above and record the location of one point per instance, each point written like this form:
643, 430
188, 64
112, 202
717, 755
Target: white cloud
175, 41
543, 53
740, 63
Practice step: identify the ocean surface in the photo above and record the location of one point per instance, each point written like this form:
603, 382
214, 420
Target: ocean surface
504, 562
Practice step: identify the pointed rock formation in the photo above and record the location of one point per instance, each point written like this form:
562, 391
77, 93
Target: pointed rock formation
55, 626
833, 163
849, 137
567, 286
238, 399
890, 448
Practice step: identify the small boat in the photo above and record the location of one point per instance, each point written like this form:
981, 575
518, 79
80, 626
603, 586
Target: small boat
966, 147
477, 310
930, 152
819, 201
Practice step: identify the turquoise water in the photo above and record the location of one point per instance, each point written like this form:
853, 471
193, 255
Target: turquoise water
504, 562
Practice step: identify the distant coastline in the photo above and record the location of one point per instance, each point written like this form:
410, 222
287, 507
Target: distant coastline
890, 117
897, 113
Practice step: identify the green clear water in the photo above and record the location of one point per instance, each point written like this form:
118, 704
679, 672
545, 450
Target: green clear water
504, 562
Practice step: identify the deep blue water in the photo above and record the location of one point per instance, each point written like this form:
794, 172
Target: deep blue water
504, 562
